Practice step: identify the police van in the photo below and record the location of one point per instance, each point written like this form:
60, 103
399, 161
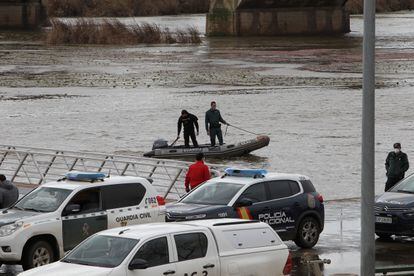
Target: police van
55, 217
287, 202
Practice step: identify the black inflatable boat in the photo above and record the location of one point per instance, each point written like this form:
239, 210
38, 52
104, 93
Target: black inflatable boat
162, 150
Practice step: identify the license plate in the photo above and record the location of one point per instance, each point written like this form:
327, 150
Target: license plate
383, 220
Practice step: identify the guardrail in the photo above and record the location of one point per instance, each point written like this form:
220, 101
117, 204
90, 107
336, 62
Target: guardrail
37, 165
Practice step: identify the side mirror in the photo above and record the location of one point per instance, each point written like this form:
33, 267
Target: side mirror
244, 202
72, 209
138, 264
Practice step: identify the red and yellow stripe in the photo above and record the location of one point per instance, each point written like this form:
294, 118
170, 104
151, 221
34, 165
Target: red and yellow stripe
244, 213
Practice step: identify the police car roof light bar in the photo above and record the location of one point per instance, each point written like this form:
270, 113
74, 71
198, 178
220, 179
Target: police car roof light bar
255, 173
85, 176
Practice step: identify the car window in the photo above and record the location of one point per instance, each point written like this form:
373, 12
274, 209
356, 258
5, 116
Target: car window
191, 246
307, 186
256, 193
405, 186
213, 193
102, 251
280, 189
122, 195
294, 187
155, 252
43, 199
89, 200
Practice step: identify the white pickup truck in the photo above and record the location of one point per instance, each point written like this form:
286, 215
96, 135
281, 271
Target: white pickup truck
223, 247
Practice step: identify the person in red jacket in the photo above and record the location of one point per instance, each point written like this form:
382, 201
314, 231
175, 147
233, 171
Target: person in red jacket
197, 173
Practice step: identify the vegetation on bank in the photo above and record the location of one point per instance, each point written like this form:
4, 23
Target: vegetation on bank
84, 31
113, 8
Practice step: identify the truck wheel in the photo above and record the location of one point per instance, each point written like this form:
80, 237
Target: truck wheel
308, 233
37, 254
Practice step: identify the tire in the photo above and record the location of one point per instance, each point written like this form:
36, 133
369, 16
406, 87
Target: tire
38, 253
384, 236
308, 233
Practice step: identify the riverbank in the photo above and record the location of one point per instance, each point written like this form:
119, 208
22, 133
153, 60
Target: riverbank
357, 6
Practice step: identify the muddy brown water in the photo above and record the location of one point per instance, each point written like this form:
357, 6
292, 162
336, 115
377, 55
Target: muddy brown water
304, 92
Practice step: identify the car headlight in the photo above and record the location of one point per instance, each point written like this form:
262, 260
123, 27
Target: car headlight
9, 229
200, 216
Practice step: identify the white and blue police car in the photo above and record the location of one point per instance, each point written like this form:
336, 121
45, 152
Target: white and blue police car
287, 202
55, 217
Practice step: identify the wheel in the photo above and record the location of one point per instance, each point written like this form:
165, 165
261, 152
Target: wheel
308, 233
37, 254
384, 236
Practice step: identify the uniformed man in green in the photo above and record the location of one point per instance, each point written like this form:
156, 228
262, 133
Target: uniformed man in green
213, 126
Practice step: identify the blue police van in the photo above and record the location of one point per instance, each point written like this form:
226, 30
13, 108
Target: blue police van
287, 202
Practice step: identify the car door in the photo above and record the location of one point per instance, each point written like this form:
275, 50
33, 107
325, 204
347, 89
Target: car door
194, 255
283, 204
157, 253
82, 217
125, 205
257, 196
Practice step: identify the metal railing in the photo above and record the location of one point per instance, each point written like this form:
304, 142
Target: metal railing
36, 166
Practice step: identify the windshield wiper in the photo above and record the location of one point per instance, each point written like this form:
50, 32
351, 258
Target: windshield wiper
18, 208
405, 191
34, 210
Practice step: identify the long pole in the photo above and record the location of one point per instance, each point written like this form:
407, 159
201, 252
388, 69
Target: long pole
368, 144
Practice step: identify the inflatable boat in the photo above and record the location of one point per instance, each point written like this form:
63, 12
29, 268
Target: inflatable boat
162, 150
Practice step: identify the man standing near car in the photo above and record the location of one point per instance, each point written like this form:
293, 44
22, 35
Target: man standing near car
213, 126
9, 193
396, 165
197, 173
189, 121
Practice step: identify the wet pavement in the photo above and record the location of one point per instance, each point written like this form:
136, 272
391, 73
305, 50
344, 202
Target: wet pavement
339, 243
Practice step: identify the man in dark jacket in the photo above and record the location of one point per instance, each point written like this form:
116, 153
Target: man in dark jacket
188, 121
9, 193
396, 165
213, 126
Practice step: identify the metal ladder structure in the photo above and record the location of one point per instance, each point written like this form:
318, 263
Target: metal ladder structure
35, 166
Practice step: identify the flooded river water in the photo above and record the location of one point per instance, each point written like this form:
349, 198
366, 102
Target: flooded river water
304, 92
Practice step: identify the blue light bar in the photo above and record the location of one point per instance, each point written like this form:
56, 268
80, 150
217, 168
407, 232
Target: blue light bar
245, 172
85, 176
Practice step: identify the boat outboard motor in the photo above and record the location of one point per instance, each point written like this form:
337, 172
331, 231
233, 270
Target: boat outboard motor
159, 144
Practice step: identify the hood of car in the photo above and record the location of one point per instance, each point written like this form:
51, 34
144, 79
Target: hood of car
181, 209
398, 199
66, 269
12, 215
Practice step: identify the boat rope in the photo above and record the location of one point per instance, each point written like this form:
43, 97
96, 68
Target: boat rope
239, 128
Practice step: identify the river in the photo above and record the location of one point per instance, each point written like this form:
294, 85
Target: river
304, 92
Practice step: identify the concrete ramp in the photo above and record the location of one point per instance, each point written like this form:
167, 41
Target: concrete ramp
273, 17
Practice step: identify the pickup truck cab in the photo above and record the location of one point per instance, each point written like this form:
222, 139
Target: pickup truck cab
55, 217
227, 247
289, 203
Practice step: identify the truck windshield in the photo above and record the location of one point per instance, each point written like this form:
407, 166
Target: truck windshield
102, 251
213, 193
44, 199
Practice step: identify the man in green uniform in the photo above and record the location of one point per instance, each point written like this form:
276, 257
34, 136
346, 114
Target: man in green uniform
213, 126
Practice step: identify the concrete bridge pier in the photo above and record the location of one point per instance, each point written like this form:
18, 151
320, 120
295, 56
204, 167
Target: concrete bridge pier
21, 14
277, 17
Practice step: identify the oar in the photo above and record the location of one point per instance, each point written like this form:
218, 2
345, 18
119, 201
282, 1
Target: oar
175, 141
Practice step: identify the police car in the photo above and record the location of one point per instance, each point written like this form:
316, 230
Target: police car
57, 216
287, 202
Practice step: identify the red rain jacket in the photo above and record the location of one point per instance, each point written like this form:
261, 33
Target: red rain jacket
197, 174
